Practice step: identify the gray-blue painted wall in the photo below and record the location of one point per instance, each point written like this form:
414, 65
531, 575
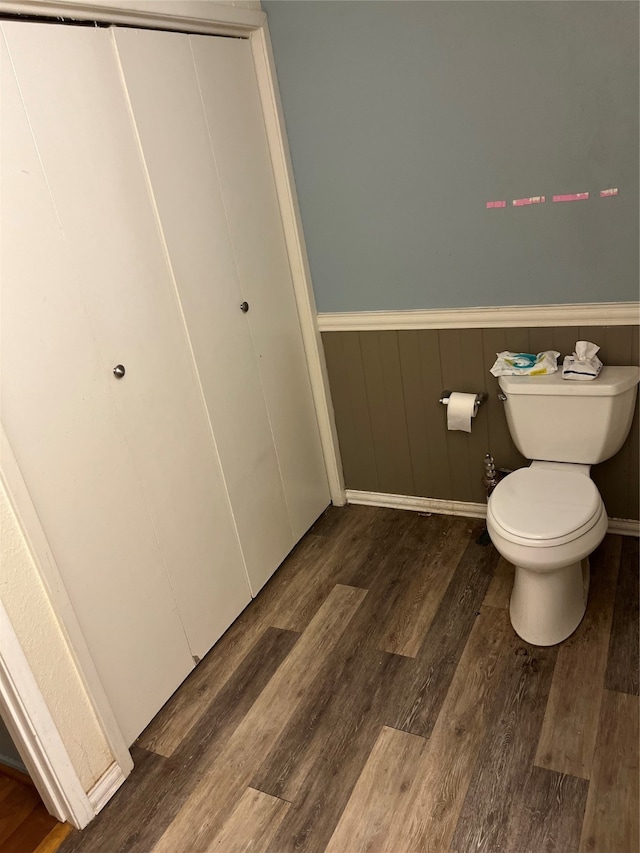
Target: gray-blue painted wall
405, 118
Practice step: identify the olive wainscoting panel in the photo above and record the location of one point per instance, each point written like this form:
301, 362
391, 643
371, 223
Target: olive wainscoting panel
392, 430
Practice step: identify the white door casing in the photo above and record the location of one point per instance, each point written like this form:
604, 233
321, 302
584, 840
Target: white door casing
31, 726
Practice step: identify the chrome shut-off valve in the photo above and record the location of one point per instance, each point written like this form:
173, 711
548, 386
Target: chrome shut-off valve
491, 476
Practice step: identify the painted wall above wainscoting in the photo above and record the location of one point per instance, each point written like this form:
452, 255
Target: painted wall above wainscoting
392, 430
405, 119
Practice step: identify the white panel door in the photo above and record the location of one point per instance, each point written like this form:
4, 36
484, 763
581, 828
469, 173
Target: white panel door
162, 86
71, 87
227, 79
58, 411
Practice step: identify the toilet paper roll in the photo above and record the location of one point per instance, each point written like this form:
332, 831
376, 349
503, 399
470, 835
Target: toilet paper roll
460, 410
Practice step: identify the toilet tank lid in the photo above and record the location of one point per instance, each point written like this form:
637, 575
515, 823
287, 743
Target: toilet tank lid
610, 382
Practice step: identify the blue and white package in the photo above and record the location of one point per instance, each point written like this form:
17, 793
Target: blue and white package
525, 363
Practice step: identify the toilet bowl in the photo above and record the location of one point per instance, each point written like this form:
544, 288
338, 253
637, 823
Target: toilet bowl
546, 519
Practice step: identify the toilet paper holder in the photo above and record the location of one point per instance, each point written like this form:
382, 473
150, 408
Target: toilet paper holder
481, 396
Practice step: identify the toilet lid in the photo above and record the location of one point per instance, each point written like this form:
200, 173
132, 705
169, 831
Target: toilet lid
543, 504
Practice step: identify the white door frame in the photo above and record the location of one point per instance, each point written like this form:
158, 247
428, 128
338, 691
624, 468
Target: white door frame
22, 705
298, 260
34, 732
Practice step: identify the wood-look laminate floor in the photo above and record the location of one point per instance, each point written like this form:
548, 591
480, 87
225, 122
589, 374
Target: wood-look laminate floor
374, 697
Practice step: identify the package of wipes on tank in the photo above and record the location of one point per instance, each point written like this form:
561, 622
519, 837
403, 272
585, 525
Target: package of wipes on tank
584, 363
525, 363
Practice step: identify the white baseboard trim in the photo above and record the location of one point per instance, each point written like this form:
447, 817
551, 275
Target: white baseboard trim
624, 526
106, 787
468, 509
416, 504
499, 317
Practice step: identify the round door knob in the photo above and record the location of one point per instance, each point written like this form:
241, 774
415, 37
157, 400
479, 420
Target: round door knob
244, 307
119, 371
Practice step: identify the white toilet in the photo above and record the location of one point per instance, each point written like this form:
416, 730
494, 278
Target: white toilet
546, 519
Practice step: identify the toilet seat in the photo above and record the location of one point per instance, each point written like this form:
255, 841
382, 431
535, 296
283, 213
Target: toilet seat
544, 507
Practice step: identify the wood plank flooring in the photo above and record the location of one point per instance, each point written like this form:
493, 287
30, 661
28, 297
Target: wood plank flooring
25, 824
374, 697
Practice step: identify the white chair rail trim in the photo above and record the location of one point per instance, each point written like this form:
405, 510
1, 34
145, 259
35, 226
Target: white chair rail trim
468, 509
497, 317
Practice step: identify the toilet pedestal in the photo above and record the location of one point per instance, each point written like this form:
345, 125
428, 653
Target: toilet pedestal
547, 607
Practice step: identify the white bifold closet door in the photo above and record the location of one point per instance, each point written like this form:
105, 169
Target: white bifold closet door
197, 112
139, 210
124, 473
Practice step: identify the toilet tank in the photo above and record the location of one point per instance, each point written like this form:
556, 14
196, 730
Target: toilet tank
565, 420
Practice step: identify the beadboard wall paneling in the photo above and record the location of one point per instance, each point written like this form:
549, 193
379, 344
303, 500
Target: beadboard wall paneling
392, 430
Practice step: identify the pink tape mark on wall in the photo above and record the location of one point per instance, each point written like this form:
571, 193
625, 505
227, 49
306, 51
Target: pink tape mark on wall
535, 199
496, 204
571, 197
610, 192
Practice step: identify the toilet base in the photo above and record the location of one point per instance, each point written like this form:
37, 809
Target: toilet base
547, 607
